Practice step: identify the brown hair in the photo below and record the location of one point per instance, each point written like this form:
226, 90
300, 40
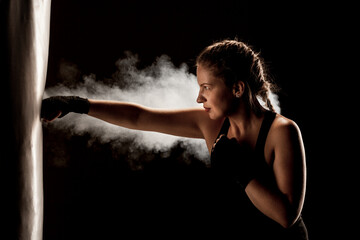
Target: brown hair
233, 61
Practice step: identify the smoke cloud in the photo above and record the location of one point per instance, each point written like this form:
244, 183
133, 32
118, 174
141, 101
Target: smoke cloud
161, 85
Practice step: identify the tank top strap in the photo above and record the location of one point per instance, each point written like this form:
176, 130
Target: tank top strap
264, 130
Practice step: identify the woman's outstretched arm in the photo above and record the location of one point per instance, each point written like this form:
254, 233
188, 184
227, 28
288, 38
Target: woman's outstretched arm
182, 122
191, 122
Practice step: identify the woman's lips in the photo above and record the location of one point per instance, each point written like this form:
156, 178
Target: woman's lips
207, 109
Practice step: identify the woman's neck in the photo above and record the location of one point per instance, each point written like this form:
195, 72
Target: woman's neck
244, 125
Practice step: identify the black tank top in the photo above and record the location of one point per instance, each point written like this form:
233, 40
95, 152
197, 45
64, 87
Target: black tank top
234, 210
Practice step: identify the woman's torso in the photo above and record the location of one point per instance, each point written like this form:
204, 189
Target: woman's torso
233, 203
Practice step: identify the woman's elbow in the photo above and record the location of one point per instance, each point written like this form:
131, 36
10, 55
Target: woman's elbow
287, 223
288, 220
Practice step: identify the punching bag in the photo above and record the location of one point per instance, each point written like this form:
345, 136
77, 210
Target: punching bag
24, 55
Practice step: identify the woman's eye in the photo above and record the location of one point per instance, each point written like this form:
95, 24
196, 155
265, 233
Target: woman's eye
206, 88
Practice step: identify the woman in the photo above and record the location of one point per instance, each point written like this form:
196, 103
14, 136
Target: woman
258, 152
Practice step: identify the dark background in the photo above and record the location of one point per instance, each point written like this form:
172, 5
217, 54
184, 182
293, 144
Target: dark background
97, 195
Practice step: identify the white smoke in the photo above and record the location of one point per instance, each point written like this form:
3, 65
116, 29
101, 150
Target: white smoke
161, 85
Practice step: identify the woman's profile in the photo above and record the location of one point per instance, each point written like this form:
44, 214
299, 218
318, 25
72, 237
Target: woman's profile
253, 149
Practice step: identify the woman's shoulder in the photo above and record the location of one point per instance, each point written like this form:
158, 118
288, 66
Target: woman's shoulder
210, 128
281, 121
284, 128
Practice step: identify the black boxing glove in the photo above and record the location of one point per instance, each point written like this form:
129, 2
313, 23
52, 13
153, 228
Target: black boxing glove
53, 106
239, 162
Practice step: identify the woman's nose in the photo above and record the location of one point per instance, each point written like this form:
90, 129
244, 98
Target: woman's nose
200, 98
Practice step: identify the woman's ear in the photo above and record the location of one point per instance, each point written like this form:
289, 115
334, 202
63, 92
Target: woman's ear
238, 89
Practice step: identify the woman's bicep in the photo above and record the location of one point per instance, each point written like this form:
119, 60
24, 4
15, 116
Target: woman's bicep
182, 122
289, 163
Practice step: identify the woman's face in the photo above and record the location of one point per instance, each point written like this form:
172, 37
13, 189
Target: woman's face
215, 96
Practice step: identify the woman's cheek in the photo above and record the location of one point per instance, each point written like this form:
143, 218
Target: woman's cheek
215, 114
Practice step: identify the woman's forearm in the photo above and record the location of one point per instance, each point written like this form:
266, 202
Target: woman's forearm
272, 203
115, 112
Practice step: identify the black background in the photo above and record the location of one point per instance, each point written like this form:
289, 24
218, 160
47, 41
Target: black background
97, 194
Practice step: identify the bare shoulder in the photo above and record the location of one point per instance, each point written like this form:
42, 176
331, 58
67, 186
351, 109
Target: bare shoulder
285, 137
212, 133
210, 128
283, 127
